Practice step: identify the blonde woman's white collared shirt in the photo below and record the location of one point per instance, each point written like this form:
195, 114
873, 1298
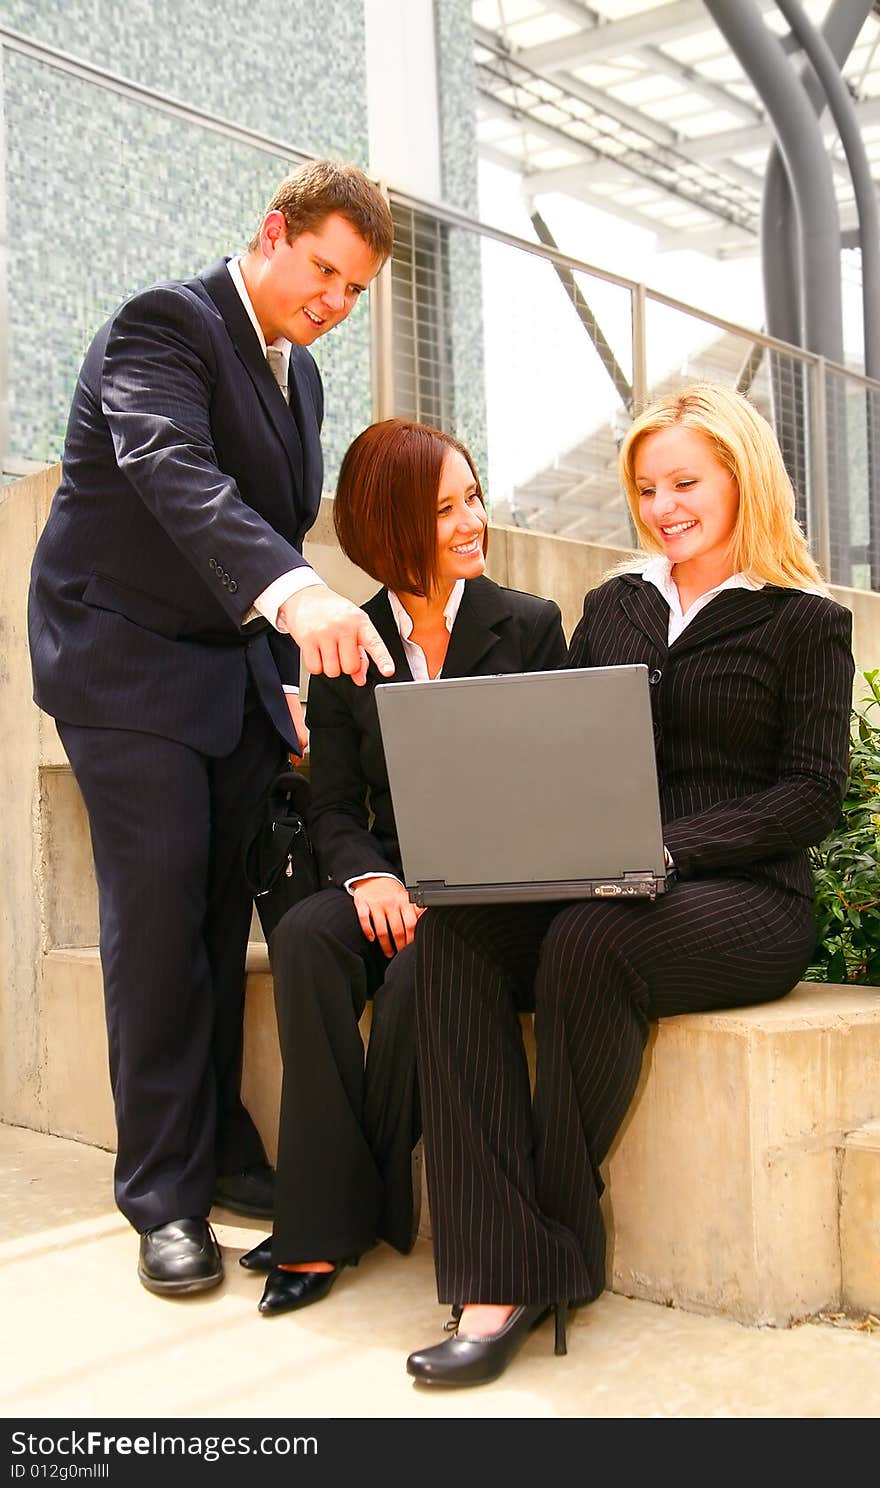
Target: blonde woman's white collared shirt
658, 571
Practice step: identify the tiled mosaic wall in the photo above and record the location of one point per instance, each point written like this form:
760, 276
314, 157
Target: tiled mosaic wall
458, 149
104, 195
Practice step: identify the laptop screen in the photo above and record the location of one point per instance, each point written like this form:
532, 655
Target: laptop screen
532, 785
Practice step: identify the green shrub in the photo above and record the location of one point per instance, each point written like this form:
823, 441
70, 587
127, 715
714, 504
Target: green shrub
846, 866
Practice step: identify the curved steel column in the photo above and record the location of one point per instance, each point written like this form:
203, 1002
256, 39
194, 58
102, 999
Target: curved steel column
781, 266
800, 140
780, 257
841, 105
809, 172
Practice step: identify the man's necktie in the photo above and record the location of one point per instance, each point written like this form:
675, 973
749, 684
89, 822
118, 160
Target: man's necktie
278, 364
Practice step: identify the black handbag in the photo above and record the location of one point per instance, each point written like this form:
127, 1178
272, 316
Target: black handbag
280, 865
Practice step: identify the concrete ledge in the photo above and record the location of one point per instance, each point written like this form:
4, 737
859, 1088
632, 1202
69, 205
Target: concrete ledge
746, 1180
860, 1218
75, 1080
724, 1188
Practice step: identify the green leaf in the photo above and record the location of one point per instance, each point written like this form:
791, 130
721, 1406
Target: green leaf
846, 865
837, 968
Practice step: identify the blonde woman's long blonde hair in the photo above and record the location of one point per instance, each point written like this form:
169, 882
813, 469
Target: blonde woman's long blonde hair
768, 543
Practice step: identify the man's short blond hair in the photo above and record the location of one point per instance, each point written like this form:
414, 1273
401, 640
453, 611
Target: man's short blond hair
321, 188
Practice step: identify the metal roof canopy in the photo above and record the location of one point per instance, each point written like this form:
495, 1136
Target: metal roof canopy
640, 108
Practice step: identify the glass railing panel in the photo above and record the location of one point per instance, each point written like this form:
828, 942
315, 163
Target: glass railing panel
850, 536
535, 377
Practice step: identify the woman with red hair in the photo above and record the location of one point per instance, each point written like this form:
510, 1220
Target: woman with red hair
409, 511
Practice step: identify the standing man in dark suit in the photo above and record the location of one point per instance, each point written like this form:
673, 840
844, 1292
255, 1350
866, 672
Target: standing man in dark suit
169, 607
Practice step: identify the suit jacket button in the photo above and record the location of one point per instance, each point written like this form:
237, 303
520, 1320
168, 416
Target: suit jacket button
654, 677
212, 562
232, 586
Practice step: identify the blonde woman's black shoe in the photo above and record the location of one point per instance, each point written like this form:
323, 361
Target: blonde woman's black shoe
465, 1360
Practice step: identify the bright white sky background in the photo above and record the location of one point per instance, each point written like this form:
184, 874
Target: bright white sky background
545, 390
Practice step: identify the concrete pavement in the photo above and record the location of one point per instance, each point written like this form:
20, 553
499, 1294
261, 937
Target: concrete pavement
81, 1338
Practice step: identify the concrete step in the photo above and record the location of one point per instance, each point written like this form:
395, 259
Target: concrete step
860, 1219
76, 1097
745, 1180
724, 1187
84, 1342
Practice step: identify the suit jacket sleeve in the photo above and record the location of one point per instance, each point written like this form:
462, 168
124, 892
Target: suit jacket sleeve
579, 648
339, 816
285, 653
545, 649
158, 372
804, 803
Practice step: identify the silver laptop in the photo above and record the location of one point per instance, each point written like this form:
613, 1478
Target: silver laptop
539, 785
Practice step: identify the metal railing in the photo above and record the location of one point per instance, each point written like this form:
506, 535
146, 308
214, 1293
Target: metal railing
536, 359
566, 350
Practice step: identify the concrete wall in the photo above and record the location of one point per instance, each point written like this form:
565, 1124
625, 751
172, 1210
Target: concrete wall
746, 1178
48, 895
105, 194
26, 744
563, 569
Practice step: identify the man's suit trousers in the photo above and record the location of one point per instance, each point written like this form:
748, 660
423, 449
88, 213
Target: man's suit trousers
167, 826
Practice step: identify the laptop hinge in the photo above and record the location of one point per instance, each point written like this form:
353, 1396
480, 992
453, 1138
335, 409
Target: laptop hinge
424, 885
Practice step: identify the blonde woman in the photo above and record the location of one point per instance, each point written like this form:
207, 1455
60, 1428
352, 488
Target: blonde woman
751, 674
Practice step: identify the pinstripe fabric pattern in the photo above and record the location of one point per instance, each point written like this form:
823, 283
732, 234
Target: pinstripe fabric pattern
187, 487
751, 723
174, 913
338, 1115
751, 719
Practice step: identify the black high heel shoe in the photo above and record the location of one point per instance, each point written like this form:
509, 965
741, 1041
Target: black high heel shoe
463, 1360
285, 1291
260, 1258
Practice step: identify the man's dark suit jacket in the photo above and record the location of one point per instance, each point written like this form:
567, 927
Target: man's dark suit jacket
751, 708
188, 486
495, 631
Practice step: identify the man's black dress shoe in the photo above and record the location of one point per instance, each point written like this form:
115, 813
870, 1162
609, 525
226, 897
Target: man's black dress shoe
285, 1291
260, 1258
179, 1257
251, 1192
463, 1360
